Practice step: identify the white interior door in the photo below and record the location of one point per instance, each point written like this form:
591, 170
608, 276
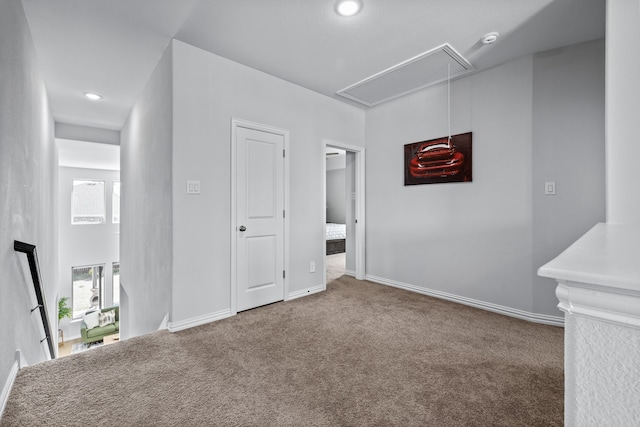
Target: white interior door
259, 218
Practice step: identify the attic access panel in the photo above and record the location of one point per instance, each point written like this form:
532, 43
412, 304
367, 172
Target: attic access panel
426, 69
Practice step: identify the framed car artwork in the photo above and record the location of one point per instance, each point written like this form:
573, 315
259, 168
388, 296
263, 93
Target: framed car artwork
438, 160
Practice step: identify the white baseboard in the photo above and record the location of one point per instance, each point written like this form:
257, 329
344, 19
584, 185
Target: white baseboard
22, 362
164, 323
500, 309
350, 273
197, 321
305, 292
4, 397
547, 319
223, 314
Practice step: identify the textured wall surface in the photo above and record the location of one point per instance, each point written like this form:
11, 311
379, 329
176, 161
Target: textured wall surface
208, 92
602, 370
146, 214
27, 191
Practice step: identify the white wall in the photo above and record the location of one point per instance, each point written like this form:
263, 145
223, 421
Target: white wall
81, 245
534, 119
569, 149
466, 239
27, 191
146, 218
87, 134
623, 107
473, 240
208, 91
350, 202
336, 162
601, 386
336, 195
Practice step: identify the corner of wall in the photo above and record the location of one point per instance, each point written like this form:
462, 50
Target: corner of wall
146, 249
164, 323
28, 182
13, 373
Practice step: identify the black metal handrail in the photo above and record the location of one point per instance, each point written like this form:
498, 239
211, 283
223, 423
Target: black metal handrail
32, 257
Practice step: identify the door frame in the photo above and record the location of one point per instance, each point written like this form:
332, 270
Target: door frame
360, 205
240, 123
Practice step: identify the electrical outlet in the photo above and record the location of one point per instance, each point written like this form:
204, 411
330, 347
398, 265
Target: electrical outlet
193, 187
550, 188
312, 267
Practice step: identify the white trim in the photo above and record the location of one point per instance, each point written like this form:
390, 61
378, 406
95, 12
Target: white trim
500, 309
599, 276
601, 303
22, 362
164, 323
305, 292
546, 319
236, 123
199, 320
350, 273
603, 257
447, 48
323, 166
360, 206
6, 390
287, 208
233, 283
360, 214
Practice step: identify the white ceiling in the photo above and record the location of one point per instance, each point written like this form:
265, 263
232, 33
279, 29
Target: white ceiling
111, 47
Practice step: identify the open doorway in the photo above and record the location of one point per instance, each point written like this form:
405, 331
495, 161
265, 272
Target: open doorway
88, 244
344, 211
337, 202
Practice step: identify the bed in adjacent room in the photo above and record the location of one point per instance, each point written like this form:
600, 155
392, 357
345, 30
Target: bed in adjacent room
336, 237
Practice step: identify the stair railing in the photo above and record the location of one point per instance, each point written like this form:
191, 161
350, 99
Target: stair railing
32, 257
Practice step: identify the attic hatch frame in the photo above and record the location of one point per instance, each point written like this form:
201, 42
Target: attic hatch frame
445, 48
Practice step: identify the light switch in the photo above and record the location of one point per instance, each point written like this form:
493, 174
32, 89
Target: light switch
550, 188
193, 187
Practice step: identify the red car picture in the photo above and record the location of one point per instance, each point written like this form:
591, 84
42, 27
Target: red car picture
439, 160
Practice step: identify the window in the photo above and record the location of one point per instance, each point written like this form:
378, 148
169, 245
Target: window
86, 288
116, 283
88, 202
115, 205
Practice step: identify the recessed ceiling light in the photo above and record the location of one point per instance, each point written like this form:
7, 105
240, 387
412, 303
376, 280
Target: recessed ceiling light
92, 96
489, 38
348, 7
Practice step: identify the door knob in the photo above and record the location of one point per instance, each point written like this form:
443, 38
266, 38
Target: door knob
242, 228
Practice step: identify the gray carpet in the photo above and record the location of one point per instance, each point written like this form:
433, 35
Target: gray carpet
359, 354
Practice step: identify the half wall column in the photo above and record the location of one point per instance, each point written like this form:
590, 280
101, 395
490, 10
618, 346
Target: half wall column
599, 291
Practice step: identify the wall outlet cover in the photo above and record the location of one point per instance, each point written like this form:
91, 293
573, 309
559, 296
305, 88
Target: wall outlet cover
193, 187
550, 188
